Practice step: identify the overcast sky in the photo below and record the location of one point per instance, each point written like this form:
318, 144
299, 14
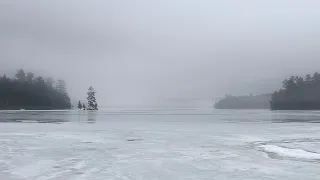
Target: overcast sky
140, 51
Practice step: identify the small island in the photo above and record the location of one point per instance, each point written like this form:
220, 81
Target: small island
92, 102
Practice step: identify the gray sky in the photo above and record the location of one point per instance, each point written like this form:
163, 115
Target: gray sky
137, 52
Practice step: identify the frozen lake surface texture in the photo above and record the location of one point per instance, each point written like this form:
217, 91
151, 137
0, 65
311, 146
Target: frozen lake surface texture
159, 144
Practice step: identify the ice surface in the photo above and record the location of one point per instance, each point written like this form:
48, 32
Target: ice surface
293, 153
158, 145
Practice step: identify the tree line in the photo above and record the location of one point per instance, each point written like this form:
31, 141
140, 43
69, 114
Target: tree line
298, 93
27, 91
244, 102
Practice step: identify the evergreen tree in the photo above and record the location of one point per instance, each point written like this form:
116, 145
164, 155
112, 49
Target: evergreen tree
30, 77
20, 75
84, 106
79, 105
92, 99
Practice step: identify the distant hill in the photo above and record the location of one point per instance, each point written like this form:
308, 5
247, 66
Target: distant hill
244, 102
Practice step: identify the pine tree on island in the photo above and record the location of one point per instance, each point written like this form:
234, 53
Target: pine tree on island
79, 105
92, 104
84, 106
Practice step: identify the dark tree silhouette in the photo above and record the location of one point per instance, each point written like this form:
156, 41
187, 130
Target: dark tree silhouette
20, 75
27, 92
298, 93
30, 77
79, 105
84, 106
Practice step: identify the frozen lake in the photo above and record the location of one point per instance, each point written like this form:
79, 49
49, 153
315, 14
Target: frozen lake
150, 144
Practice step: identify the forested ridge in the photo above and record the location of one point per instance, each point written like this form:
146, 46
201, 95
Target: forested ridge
25, 91
298, 93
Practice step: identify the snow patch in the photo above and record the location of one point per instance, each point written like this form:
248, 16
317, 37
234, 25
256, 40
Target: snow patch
34, 169
291, 153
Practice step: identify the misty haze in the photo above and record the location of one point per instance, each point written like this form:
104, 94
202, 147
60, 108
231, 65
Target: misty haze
159, 89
